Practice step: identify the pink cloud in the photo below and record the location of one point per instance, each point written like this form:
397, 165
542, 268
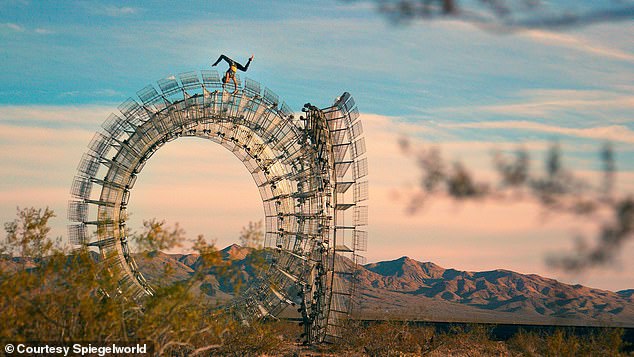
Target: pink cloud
619, 133
88, 114
577, 43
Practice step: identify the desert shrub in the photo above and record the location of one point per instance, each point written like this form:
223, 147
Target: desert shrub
470, 340
562, 343
51, 294
526, 343
255, 339
471, 333
426, 337
352, 338
605, 342
386, 338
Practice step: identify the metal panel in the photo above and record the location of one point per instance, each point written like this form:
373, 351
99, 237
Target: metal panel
77, 211
359, 260
89, 165
99, 144
361, 168
339, 136
356, 130
358, 148
148, 94
349, 103
353, 115
337, 123
133, 112
271, 97
343, 99
340, 152
342, 187
251, 87
114, 125
81, 187
189, 80
360, 191
168, 85
361, 215
360, 241
342, 168
211, 79
77, 234
285, 110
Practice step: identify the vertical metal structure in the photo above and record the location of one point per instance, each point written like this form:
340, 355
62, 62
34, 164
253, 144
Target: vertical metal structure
309, 172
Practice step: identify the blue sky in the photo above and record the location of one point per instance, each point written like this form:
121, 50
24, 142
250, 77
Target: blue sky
67, 64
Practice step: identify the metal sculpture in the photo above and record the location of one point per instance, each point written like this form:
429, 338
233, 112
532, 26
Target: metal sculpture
309, 170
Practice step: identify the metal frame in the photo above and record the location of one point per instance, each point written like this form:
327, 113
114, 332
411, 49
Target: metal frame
309, 171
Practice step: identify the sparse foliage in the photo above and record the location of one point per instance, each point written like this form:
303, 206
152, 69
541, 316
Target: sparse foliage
504, 15
558, 190
252, 235
27, 235
386, 338
51, 294
157, 236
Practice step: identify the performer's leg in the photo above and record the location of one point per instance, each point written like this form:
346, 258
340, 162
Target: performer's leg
244, 68
222, 57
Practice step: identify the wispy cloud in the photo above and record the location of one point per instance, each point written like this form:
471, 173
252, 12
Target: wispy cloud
100, 93
607, 106
612, 133
560, 101
43, 31
117, 11
578, 43
357, 6
14, 27
19, 28
109, 10
55, 116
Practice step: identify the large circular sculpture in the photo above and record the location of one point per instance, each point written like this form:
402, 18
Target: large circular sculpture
309, 171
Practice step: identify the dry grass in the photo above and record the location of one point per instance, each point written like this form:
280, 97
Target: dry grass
406, 339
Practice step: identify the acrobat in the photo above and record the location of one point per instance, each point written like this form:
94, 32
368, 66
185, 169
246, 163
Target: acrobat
231, 72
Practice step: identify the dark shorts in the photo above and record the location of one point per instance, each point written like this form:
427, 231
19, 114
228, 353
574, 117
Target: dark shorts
228, 74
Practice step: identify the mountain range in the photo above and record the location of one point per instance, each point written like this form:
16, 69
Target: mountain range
414, 290
407, 289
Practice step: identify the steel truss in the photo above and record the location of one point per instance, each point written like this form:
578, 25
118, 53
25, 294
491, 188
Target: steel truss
310, 172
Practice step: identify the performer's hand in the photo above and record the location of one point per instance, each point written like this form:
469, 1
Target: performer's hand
251, 57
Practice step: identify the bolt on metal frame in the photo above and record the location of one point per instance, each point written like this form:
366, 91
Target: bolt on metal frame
310, 172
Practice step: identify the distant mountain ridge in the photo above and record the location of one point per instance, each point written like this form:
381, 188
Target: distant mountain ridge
404, 288
626, 293
504, 294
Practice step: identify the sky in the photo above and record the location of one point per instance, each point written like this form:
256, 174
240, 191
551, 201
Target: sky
66, 65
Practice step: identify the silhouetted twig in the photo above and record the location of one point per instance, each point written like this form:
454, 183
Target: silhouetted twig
507, 15
558, 190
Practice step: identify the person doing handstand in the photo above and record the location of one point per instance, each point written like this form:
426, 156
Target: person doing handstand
231, 72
